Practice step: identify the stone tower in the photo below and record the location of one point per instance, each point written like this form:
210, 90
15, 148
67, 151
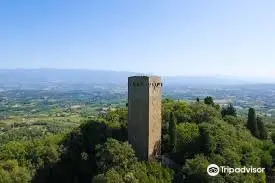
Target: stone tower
144, 115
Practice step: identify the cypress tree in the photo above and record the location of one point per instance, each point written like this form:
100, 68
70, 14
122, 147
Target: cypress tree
252, 122
206, 142
262, 129
165, 136
168, 117
224, 112
173, 133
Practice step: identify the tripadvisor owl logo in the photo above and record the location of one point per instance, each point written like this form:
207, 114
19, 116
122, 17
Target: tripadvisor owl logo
213, 170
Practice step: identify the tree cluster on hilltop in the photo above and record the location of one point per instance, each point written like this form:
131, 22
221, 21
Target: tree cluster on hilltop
194, 135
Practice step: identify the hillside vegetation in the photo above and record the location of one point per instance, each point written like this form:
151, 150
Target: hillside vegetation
194, 135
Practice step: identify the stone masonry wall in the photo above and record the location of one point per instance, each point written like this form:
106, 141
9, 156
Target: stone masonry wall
144, 115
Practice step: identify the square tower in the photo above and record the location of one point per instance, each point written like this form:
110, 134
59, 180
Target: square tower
144, 115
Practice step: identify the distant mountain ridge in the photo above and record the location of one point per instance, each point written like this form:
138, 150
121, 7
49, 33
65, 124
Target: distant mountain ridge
62, 76
21, 76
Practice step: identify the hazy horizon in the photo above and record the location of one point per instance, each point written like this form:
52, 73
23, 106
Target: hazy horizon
180, 38
251, 79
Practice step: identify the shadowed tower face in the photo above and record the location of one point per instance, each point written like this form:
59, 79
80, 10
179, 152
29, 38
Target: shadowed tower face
144, 115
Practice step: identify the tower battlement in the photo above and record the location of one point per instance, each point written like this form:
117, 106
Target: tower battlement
144, 115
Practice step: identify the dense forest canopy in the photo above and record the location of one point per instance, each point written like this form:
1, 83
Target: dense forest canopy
194, 135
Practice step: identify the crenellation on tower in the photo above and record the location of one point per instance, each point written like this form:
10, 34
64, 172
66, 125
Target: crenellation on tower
144, 115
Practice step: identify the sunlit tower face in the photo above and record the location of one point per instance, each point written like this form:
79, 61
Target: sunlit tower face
144, 115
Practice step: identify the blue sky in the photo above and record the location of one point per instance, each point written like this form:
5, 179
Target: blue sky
178, 37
